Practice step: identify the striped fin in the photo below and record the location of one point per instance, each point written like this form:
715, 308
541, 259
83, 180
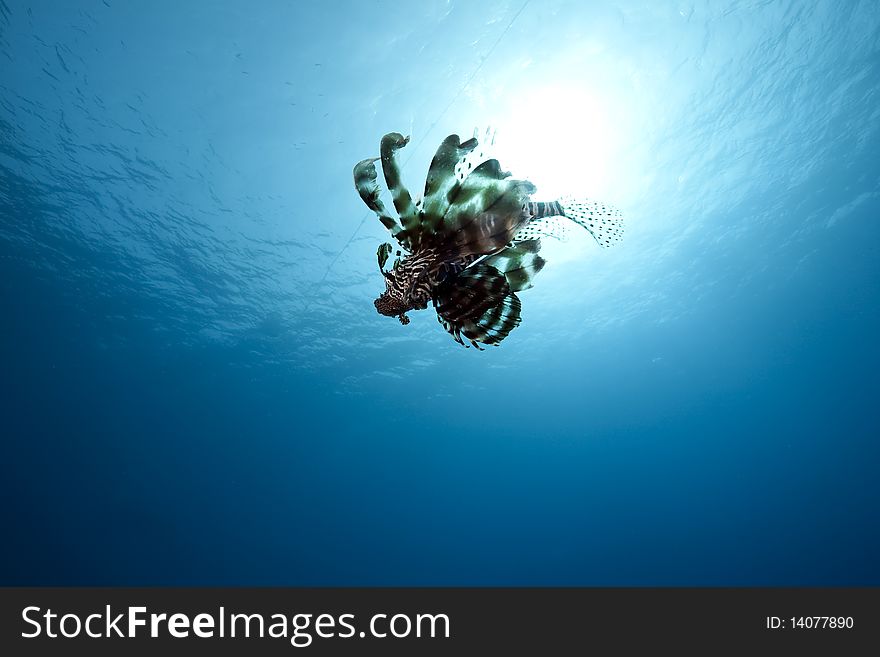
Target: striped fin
491, 327
486, 212
471, 206
453, 161
441, 181
471, 293
479, 305
403, 203
519, 263
382, 254
496, 323
367, 185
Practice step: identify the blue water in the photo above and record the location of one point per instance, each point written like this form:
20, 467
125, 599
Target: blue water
196, 388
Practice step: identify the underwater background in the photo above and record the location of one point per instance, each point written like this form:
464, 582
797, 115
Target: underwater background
197, 389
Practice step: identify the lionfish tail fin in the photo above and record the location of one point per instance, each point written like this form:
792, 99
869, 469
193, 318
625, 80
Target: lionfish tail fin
553, 219
478, 305
603, 222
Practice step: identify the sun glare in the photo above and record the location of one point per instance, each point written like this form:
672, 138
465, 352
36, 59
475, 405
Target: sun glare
560, 138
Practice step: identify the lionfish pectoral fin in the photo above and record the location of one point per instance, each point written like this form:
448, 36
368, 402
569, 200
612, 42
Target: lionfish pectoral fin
442, 181
519, 263
478, 304
403, 203
471, 206
382, 254
367, 184
487, 212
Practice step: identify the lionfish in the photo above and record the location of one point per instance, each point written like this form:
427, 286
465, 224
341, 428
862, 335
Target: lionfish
471, 243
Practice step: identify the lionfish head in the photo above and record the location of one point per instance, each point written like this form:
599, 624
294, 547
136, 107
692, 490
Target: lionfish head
390, 302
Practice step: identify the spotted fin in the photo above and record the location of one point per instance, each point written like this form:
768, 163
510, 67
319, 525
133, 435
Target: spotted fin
482, 152
555, 227
552, 219
603, 222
